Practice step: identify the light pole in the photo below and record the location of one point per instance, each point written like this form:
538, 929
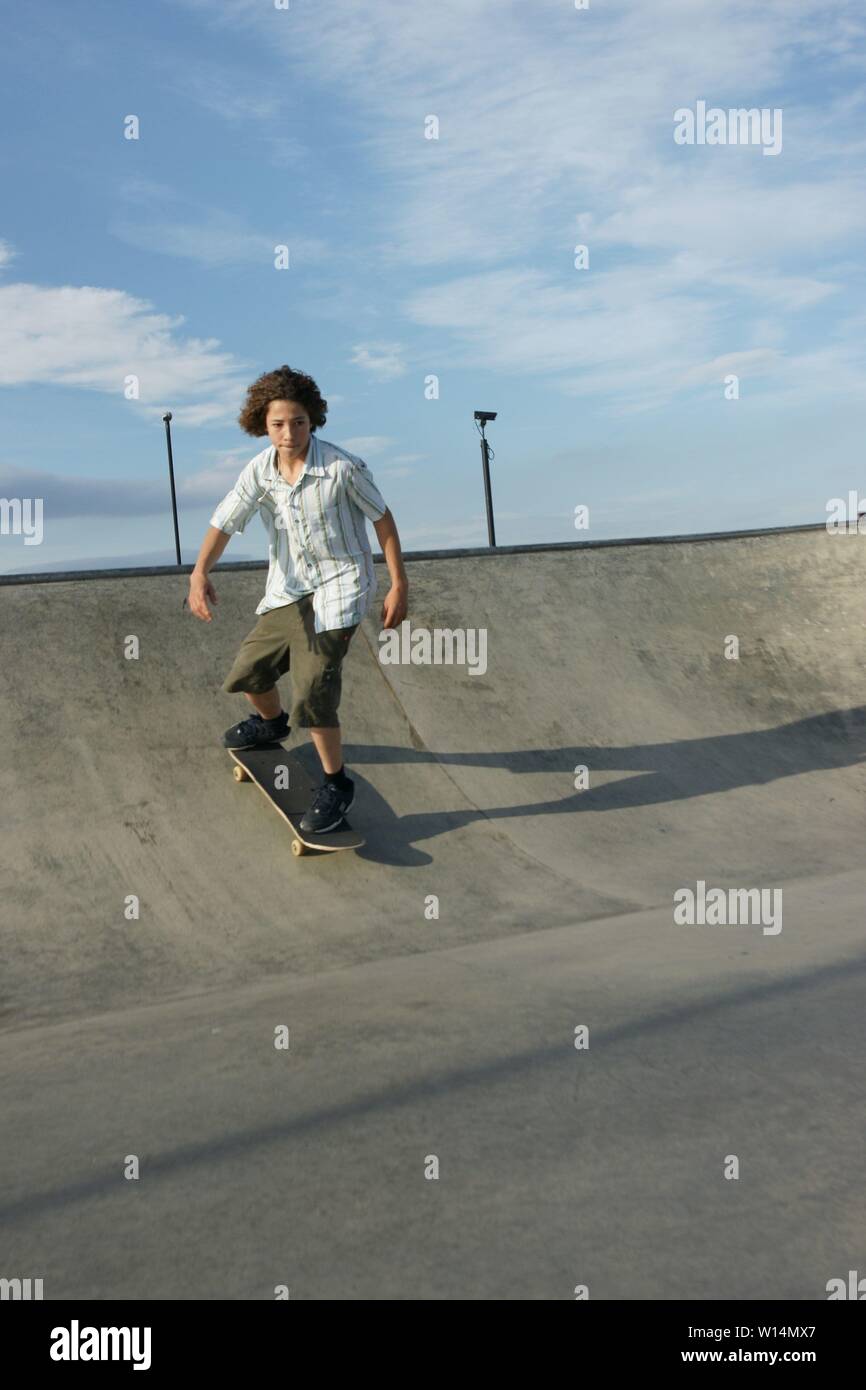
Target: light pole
484, 416
167, 419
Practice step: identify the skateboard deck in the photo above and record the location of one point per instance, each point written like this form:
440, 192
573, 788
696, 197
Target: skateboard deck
260, 765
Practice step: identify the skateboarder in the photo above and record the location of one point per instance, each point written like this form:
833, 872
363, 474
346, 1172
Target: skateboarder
314, 499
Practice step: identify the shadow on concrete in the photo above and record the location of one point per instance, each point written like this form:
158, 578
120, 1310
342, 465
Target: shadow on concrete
665, 773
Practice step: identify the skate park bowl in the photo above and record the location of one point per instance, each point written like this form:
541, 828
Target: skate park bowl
511, 1070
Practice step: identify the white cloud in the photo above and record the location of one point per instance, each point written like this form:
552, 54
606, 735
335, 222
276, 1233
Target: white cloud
232, 92
163, 221
751, 363
83, 336
240, 96
557, 125
382, 360
364, 444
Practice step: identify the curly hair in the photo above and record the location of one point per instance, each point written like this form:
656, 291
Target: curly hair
284, 384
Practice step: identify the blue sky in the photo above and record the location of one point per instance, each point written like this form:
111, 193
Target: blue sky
413, 257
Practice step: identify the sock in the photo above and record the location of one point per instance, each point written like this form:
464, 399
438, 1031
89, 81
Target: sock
339, 778
277, 718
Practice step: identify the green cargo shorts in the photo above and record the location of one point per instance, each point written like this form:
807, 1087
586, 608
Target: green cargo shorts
285, 639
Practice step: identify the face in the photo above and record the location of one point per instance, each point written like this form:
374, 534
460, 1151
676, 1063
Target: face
288, 428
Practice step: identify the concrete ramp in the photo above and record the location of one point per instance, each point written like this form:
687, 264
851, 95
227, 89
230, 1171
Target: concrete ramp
616, 659
433, 982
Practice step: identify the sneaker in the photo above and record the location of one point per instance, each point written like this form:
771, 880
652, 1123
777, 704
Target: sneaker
328, 808
257, 732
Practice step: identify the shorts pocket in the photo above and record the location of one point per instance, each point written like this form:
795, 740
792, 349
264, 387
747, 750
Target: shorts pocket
335, 642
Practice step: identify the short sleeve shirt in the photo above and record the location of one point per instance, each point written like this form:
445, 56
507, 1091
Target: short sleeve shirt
317, 530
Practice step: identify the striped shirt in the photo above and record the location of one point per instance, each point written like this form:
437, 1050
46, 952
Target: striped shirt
317, 530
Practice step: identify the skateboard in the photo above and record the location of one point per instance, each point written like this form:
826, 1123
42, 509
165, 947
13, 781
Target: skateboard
259, 765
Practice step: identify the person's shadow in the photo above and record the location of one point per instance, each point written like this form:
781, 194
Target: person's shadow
663, 772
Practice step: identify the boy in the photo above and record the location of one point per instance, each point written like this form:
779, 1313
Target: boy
314, 499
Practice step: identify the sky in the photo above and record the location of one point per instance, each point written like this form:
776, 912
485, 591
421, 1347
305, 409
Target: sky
431, 169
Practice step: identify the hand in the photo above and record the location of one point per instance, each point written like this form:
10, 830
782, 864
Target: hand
200, 590
395, 605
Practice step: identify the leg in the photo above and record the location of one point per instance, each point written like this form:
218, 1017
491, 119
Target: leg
316, 662
268, 705
329, 746
263, 656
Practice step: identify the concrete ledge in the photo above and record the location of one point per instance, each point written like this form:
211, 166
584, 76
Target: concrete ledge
480, 552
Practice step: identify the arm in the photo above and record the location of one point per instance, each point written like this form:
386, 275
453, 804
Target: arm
200, 587
231, 515
212, 548
396, 601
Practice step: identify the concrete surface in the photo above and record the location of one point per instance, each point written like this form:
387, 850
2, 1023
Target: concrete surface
453, 1036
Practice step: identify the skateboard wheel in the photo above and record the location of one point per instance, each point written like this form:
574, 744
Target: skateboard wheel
298, 848
241, 774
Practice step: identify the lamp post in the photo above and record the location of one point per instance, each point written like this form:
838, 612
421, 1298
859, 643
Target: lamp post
167, 420
484, 416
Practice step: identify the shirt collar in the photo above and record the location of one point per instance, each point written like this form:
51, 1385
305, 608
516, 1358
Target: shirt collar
313, 463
